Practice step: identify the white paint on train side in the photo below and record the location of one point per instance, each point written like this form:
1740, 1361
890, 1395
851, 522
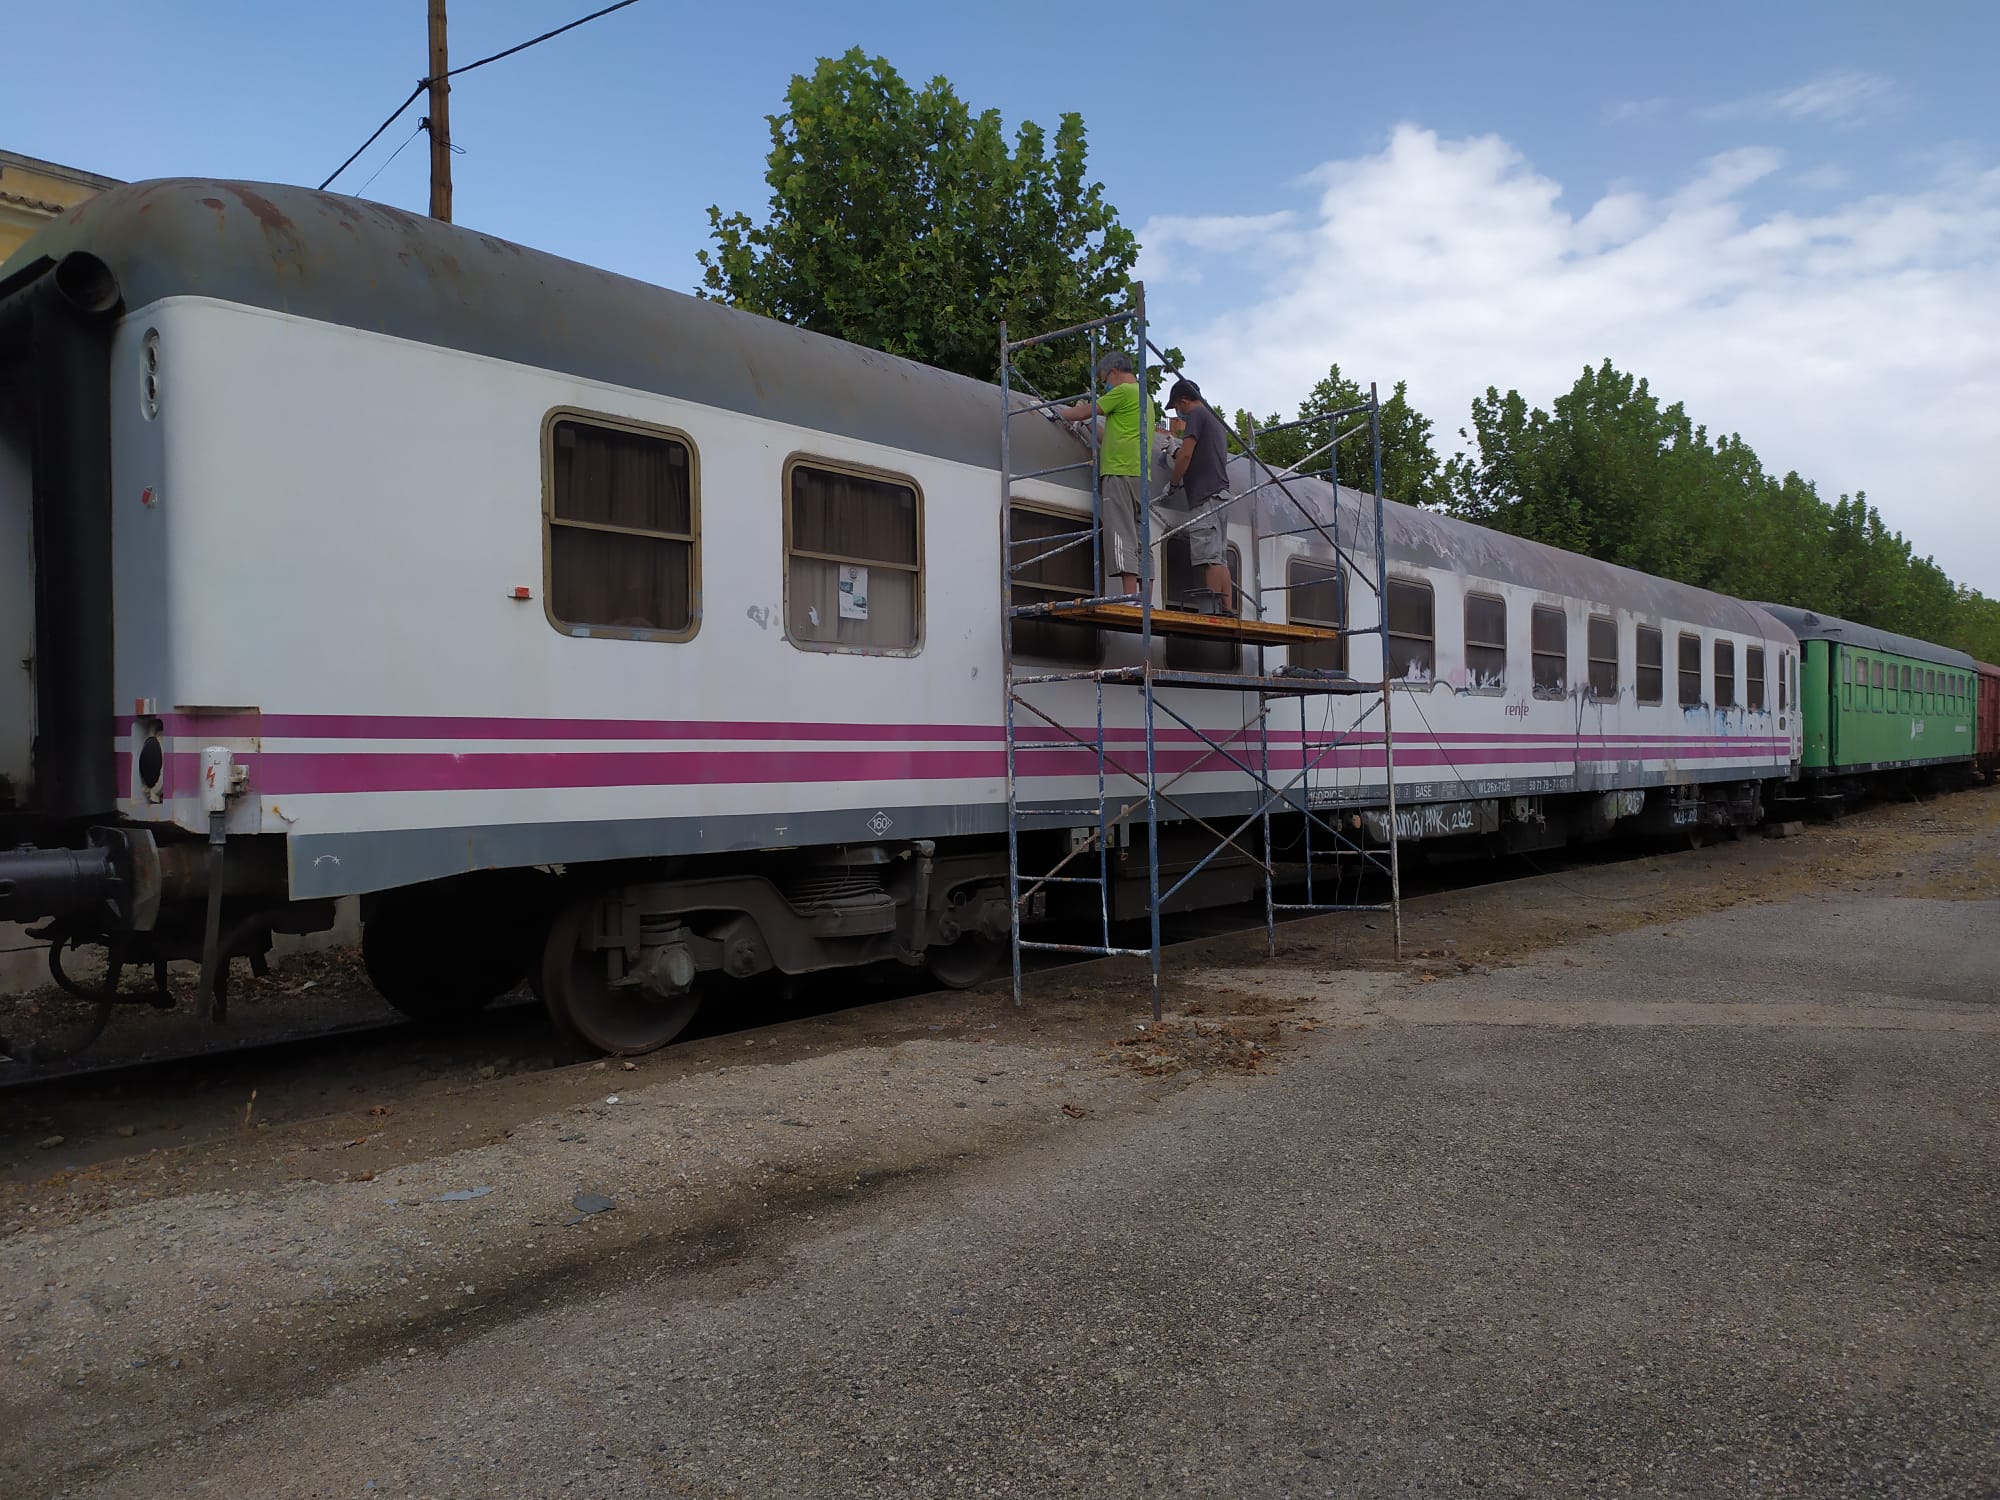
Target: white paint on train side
325, 586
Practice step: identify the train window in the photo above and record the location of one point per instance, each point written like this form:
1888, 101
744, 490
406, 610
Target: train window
1690, 670
853, 544
1725, 674
1753, 678
1875, 672
1183, 578
1907, 704
1412, 639
1602, 642
1652, 668
1485, 641
619, 530
1784, 679
1549, 645
1054, 553
1316, 594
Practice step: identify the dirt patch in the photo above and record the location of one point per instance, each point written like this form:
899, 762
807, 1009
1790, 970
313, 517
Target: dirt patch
1174, 1045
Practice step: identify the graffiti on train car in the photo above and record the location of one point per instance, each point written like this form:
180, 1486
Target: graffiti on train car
1434, 820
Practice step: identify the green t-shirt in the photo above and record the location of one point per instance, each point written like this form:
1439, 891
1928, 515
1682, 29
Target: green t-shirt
1118, 452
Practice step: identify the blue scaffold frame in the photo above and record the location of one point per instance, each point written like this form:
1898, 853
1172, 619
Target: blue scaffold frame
1248, 748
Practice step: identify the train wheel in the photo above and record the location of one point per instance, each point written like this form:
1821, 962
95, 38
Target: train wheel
972, 960
587, 1008
417, 964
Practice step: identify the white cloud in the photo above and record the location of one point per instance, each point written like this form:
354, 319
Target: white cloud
1853, 342
1844, 98
1263, 238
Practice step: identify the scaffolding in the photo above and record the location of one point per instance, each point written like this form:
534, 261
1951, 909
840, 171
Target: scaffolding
1062, 838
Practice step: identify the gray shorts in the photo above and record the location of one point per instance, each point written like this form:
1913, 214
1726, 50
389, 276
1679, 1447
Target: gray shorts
1121, 522
1206, 548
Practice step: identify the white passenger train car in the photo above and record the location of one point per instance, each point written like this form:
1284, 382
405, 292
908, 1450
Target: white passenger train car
587, 627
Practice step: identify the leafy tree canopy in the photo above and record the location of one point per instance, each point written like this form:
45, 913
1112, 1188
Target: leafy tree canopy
1410, 469
901, 220
1609, 471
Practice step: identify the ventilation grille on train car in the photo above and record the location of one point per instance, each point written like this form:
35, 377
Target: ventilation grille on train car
807, 891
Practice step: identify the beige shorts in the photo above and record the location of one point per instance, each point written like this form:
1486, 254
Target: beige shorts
1206, 547
1120, 493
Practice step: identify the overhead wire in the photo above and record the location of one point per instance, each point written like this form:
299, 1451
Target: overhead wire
535, 41
392, 156
424, 83
394, 115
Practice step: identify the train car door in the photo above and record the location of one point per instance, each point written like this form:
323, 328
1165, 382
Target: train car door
1792, 723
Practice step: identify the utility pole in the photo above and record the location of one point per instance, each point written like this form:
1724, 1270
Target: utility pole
440, 120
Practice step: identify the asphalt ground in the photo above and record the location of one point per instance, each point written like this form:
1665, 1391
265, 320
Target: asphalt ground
1703, 1205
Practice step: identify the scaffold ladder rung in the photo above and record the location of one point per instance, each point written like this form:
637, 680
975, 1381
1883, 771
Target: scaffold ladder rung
1137, 787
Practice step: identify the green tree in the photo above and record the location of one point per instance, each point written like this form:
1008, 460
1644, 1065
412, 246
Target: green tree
1411, 472
901, 220
1609, 471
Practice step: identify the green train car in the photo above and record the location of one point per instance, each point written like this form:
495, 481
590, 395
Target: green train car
1874, 702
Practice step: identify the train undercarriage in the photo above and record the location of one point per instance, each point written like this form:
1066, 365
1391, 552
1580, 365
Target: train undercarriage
624, 955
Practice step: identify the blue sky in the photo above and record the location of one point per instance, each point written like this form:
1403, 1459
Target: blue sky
1787, 215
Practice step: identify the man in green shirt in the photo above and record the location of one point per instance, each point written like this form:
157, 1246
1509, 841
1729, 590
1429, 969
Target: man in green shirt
1128, 422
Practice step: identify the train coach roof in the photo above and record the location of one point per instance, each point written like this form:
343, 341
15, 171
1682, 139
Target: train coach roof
1808, 626
1432, 540
366, 265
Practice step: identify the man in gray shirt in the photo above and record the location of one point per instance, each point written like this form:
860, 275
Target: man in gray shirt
1201, 470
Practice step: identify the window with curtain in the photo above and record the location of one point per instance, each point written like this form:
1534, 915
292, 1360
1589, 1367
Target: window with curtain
1412, 637
1725, 674
1753, 679
1485, 641
1316, 594
1690, 671
853, 576
1549, 630
1602, 643
620, 530
1048, 574
1652, 665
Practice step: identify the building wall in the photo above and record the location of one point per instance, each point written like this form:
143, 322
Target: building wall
33, 192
